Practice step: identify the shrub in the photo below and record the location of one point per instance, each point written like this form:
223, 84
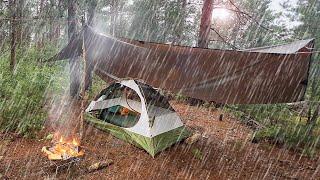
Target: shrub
23, 92
283, 126
295, 138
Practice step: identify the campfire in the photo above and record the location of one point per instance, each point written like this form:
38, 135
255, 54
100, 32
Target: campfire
64, 149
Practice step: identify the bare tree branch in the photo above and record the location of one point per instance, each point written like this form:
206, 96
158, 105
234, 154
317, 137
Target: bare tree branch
223, 39
254, 19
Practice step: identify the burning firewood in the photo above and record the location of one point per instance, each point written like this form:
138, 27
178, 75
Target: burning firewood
63, 150
100, 165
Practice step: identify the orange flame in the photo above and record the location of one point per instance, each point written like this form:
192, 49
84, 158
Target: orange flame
64, 149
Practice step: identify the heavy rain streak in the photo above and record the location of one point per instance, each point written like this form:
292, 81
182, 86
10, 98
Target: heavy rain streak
149, 89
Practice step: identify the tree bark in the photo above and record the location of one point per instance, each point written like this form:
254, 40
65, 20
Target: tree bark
51, 19
204, 32
19, 15
180, 28
75, 75
58, 26
2, 29
13, 43
2, 37
88, 66
91, 12
38, 37
114, 14
72, 21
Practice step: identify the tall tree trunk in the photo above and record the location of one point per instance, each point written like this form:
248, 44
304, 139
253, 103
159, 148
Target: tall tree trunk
2, 36
19, 15
89, 67
13, 43
182, 19
58, 25
75, 75
51, 19
72, 21
204, 32
38, 39
91, 11
114, 14
3, 29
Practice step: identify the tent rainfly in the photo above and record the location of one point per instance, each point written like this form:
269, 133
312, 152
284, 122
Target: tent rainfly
276, 74
137, 113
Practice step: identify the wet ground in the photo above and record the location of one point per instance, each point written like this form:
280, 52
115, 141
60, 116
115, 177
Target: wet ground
224, 152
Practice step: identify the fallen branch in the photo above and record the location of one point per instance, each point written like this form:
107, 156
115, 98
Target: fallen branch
100, 165
194, 138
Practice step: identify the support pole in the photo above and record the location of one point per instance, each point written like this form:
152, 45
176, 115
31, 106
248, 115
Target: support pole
84, 97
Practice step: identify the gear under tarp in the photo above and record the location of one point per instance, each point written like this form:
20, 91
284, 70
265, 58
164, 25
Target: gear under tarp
277, 74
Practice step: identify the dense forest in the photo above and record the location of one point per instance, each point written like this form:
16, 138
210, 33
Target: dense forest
32, 31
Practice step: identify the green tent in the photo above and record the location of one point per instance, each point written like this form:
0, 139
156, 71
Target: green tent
139, 114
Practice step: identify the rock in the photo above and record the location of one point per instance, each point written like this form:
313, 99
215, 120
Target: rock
100, 165
221, 117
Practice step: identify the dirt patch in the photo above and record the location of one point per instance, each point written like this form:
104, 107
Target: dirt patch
223, 152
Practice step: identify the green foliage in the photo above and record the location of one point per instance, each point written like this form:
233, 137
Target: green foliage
23, 92
309, 11
309, 16
293, 137
97, 85
282, 123
164, 22
268, 133
197, 153
49, 137
283, 126
180, 97
266, 114
255, 35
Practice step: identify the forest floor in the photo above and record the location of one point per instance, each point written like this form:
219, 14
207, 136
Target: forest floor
224, 151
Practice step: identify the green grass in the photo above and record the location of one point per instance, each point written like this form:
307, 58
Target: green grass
197, 153
295, 138
283, 126
23, 92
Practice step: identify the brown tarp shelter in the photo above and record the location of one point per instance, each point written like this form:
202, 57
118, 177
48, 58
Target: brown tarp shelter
276, 74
